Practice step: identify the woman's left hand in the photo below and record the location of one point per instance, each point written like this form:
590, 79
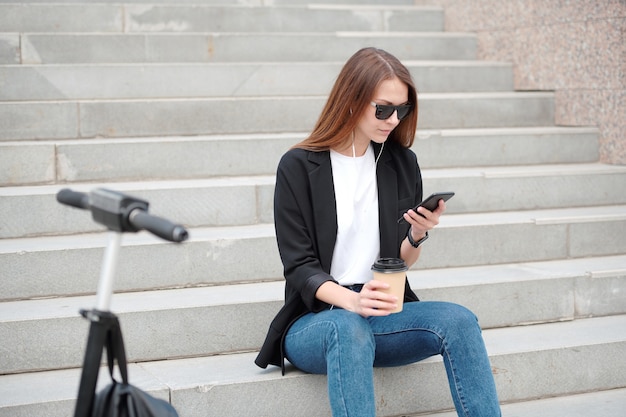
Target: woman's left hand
424, 221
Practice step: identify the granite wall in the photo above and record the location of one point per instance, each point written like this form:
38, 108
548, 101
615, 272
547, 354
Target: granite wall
577, 48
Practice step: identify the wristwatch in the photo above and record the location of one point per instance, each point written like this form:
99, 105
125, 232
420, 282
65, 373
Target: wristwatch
414, 243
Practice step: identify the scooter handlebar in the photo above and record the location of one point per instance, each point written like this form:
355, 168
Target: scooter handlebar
161, 227
73, 198
121, 213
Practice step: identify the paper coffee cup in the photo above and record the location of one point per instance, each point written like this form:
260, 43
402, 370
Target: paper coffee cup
393, 272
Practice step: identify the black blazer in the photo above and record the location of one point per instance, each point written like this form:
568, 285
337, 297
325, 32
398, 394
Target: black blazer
305, 219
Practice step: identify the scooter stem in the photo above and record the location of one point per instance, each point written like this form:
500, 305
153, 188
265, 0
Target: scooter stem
107, 274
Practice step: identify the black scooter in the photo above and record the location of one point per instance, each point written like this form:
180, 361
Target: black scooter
120, 213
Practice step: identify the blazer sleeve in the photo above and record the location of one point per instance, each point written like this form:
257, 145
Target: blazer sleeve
295, 226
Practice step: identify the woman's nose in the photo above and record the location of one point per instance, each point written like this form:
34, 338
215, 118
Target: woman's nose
394, 118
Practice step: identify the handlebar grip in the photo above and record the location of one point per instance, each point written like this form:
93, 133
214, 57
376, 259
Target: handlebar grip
158, 226
73, 198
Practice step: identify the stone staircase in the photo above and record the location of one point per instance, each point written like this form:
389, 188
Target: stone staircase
189, 105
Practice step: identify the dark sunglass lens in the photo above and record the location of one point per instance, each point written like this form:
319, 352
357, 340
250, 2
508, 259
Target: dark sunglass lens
384, 112
403, 111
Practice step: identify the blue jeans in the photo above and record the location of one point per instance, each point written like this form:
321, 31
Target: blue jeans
346, 347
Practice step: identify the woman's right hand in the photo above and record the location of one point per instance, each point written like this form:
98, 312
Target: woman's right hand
371, 301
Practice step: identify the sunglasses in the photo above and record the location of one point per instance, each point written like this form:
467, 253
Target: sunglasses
384, 111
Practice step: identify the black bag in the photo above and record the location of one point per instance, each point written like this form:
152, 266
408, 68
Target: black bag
125, 400
118, 399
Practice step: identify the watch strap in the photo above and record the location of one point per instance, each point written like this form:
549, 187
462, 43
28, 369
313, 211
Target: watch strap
413, 242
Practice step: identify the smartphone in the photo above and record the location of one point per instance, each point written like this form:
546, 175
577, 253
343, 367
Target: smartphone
431, 202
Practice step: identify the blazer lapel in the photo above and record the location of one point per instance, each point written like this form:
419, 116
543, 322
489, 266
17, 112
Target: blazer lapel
324, 205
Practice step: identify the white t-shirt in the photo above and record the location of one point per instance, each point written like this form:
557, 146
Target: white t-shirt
356, 194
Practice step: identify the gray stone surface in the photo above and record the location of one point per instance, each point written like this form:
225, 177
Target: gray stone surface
27, 163
117, 81
606, 237
233, 47
527, 360
141, 18
71, 264
529, 292
185, 157
172, 158
500, 295
38, 120
509, 109
539, 235
47, 266
112, 18
214, 202
202, 116
609, 403
222, 202
157, 325
9, 48
505, 146
58, 18
195, 123
268, 3
54, 393
211, 18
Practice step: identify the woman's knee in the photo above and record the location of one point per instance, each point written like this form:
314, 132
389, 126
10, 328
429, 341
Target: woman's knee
353, 332
316, 337
460, 317
465, 313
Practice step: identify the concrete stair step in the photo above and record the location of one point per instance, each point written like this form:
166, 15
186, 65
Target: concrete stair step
9, 48
324, 3
172, 17
173, 323
47, 266
226, 115
243, 200
223, 201
119, 81
58, 265
484, 189
529, 292
54, 48
529, 362
175, 158
439, 148
537, 247
609, 403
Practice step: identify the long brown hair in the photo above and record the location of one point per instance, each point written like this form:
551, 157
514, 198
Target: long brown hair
353, 91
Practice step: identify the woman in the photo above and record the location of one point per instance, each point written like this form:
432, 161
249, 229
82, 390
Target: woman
338, 196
